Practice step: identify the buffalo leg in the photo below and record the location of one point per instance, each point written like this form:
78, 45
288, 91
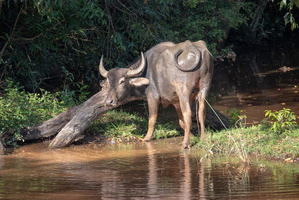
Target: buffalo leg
201, 117
153, 115
180, 115
186, 111
201, 96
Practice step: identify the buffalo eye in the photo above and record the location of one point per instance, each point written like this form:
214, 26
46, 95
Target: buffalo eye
122, 81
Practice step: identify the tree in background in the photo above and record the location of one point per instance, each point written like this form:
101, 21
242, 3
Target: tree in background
57, 44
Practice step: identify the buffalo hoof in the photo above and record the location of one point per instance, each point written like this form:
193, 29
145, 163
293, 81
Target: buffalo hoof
147, 139
186, 145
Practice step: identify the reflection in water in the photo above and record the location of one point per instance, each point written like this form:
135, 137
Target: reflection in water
152, 171
201, 176
238, 178
186, 177
156, 170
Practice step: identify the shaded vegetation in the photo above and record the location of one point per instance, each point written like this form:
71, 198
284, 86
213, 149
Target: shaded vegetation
57, 44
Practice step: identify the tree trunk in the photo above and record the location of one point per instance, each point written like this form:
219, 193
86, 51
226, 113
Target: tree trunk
216, 120
257, 19
2, 149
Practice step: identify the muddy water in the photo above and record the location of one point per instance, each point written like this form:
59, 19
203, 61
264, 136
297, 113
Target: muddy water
253, 104
157, 170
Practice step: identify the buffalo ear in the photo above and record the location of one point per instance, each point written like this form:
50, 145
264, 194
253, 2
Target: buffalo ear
138, 82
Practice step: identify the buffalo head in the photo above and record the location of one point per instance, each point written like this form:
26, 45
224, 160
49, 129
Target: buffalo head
122, 82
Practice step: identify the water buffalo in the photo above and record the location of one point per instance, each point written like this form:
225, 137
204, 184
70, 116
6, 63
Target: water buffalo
166, 74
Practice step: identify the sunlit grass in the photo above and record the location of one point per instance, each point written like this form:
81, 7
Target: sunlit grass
118, 125
249, 142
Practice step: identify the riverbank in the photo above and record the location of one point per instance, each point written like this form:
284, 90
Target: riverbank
245, 142
249, 142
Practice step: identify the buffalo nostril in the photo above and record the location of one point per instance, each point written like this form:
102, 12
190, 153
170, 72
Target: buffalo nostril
110, 102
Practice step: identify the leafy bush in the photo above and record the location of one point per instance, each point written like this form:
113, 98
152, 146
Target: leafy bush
19, 109
235, 117
280, 121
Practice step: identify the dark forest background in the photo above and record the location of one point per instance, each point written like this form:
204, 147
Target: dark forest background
56, 44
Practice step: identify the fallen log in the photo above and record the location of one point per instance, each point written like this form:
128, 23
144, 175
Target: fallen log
88, 112
54, 125
70, 124
50, 127
216, 120
92, 109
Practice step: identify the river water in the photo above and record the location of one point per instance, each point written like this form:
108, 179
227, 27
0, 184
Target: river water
155, 170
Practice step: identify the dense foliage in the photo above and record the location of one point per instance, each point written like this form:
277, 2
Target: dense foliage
57, 44
20, 109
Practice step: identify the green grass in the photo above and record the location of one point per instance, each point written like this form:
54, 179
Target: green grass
249, 142
119, 125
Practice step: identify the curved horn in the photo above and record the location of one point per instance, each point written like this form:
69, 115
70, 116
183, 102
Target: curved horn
102, 70
139, 69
